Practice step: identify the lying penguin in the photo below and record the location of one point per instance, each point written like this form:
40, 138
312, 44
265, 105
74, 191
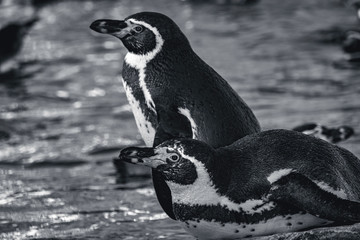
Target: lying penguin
332, 135
271, 182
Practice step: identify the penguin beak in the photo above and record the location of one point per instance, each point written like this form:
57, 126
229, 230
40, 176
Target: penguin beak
117, 28
141, 156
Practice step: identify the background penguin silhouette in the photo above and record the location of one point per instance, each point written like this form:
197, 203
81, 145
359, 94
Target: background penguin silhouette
332, 135
351, 45
172, 91
11, 39
232, 2
356, 5
270, 182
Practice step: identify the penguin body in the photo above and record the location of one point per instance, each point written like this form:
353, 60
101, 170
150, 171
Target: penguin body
172, 91
271, 182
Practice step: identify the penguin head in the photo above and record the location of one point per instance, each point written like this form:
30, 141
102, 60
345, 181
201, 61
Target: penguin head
142, 33
177, 160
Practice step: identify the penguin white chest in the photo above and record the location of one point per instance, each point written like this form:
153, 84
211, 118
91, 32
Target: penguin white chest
146, 129
205, 229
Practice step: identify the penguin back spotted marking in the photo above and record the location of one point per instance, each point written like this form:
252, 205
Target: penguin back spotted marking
205, 229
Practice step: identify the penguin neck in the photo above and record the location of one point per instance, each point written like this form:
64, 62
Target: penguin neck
228, 164
202, 192
166, 50
139, 62
198, 192
160, 54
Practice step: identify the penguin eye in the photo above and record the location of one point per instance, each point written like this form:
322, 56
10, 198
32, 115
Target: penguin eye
138, 29
174, 157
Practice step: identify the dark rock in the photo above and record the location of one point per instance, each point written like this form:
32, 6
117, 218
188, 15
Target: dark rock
351, 232
4, 135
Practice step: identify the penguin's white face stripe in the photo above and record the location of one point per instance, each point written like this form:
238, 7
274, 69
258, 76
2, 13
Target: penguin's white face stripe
279, 224
146, 129
186, 113
139, 61
203, 192
276, 175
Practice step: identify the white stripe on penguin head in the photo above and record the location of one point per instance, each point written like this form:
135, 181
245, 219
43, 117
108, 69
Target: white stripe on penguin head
139, 61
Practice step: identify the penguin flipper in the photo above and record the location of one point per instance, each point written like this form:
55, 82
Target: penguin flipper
163, 193
297, 190
171, 125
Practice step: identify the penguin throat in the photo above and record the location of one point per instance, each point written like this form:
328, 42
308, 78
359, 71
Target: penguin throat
139, 61
184, 174
193, 190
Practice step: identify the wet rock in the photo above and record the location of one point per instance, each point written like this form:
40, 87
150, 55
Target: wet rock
351, 232
104, 149
4, 136
125, 171
57, 163
230, 2
331, 35
50, 137
344, 64
11, 41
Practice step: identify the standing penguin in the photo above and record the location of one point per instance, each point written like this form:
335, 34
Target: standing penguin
172, 91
